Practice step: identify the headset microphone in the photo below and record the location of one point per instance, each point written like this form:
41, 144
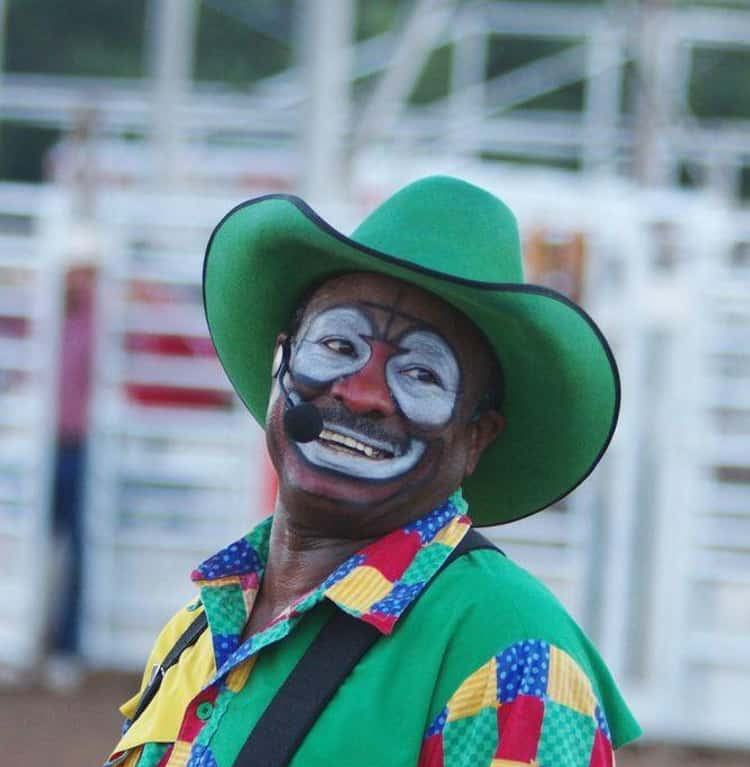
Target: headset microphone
302, 422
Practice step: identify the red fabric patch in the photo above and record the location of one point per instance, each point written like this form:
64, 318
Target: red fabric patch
384, 623
520, 726
432, 752
191, 725
601, 753
393, 554
249, 581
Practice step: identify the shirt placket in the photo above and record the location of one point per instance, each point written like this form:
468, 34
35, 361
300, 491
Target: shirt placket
204, 713
198, 712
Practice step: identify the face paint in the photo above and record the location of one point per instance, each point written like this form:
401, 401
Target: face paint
395, 374
332, 346
350, 452
424, 378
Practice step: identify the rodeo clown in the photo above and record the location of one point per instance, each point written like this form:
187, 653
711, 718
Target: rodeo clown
412, 387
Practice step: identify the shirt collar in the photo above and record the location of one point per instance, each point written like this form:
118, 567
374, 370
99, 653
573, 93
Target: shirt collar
376, 585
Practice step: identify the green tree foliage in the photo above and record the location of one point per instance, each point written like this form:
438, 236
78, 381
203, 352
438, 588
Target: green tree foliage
77, 37
238, 42
720, 83
375, 18
23, 149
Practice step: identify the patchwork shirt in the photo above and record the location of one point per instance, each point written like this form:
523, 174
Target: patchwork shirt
485, 669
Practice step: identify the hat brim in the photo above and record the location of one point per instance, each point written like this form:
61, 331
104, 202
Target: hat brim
562, 390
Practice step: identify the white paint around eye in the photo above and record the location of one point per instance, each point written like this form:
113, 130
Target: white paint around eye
313, 360
424, 403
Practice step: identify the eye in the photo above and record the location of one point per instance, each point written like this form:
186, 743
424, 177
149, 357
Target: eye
340, 346
423, 375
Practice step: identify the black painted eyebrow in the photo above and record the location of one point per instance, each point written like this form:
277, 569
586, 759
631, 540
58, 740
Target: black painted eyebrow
394, 312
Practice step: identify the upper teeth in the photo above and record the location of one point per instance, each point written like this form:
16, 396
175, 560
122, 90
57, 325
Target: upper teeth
350, 442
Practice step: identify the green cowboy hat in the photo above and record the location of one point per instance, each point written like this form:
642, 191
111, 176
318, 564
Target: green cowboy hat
459, 242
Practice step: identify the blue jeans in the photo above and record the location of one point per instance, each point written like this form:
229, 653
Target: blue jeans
68, 525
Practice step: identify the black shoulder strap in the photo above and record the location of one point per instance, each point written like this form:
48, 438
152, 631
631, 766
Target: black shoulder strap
472, 541
187, 638
331, 657
337, 649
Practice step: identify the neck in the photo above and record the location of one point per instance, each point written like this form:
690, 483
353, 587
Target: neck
299, 559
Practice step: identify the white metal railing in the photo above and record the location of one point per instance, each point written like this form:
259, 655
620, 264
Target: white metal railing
651, 553
175, 471
30, 312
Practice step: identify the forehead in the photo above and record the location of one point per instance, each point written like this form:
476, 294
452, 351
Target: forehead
389, 300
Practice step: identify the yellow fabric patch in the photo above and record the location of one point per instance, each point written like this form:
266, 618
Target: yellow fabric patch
568, 685
180, 754
511, 763
180, 685
238, 676
229, 580
478, 691
133, 758
452, 533
360, 589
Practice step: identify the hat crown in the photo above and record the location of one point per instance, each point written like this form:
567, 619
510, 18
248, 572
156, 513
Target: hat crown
450, 226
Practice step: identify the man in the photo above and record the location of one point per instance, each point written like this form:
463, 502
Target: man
74, 388
408, 362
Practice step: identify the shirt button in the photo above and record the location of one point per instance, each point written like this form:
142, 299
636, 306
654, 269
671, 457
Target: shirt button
204, 710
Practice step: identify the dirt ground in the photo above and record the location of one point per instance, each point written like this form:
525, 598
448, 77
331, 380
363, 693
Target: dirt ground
39, 728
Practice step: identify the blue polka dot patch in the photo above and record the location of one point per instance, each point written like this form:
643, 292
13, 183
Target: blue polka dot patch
430, 525
201, 756
237, 558
602, 722
523, 669
401, 596
224, 646
437, 726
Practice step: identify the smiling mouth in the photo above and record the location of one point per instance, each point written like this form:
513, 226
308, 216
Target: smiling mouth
357, 455
345, 443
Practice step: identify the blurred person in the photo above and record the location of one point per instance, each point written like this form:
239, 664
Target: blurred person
75, 369
418, 388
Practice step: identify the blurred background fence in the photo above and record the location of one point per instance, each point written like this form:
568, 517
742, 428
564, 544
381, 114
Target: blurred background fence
619, 132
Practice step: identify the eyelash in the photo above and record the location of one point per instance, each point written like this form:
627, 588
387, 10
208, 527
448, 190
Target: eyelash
330, 343
434, 379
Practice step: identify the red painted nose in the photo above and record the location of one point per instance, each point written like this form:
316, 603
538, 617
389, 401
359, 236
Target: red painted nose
366, 391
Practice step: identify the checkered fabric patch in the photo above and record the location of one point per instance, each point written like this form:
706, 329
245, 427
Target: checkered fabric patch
152, 754
529, 705
567, 737
470, 741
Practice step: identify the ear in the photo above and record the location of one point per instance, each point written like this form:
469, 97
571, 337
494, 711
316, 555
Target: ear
484, 431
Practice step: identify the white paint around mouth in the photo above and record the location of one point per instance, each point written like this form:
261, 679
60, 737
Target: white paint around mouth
360, 466
388, 447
